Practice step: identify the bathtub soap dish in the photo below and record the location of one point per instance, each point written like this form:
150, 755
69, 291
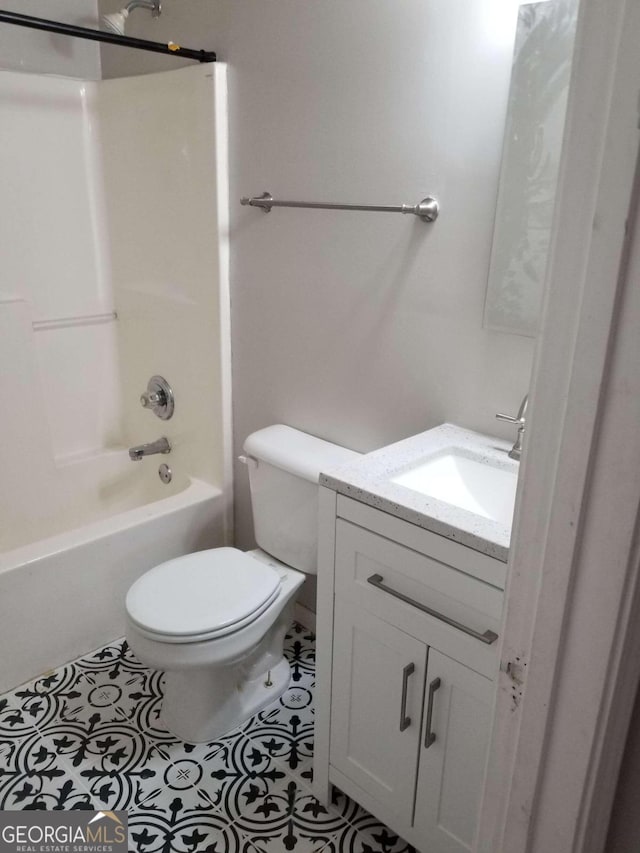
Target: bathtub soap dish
158, 397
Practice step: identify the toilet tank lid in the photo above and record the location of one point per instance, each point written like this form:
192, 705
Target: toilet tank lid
296, 452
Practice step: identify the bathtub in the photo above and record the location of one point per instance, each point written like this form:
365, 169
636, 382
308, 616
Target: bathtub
64, 594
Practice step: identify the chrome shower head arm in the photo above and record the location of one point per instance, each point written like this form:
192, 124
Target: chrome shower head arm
154, 6
116, 21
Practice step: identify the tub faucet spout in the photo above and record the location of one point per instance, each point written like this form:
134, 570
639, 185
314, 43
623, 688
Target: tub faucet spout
160, 446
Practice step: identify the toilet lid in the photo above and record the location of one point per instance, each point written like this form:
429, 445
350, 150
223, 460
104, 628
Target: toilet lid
205, 593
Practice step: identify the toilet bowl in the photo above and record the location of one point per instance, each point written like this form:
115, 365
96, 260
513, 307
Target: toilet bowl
222, 669
215, 620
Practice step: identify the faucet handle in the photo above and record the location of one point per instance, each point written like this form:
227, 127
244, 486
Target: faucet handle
509, 418
158, 397
520, 417
149, 399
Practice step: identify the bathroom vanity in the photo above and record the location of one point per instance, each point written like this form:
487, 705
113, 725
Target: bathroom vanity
412, 564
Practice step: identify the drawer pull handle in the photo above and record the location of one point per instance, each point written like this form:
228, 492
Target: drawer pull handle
405, 721
488, 637
430, 737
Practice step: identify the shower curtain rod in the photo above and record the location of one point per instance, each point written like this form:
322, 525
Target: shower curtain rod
109, 38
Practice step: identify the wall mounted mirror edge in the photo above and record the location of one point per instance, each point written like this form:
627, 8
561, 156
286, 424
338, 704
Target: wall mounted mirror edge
530, 162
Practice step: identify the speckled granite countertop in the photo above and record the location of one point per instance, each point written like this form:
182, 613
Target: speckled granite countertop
368, 480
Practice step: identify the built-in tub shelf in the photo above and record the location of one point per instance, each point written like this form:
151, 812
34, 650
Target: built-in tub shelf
78, 320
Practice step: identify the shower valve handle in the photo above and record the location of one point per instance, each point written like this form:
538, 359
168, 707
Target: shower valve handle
150, 399
158, 397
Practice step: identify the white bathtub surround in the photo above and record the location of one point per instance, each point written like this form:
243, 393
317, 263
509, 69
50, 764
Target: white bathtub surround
370, 480
93, 234
55, 264
89, 735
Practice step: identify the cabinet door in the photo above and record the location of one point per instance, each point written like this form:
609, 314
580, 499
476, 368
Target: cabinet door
451, 767
377, 699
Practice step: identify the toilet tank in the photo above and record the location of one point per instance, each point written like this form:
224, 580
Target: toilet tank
284, 466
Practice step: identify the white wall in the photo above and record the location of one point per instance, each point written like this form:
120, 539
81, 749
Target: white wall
359, 328
30, 50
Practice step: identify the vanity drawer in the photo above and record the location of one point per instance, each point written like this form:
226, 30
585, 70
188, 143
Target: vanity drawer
400, 585
481, 566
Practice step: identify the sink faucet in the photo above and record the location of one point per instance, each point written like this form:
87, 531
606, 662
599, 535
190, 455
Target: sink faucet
160, 446
520, 420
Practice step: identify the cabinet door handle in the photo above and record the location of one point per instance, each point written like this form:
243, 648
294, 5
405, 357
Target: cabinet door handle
430, 737
488, 637
405, 721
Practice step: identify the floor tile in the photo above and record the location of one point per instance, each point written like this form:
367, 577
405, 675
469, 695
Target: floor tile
313, 816
32, 776
43, 698
204, 753
186, 780
285, 729
277, 814
345, 806
89, 688
299, 648
365, 834
240, 773
304, 772
122, 682
140, 704
115, 660
115, 762
182, 828
14, 722
197, 773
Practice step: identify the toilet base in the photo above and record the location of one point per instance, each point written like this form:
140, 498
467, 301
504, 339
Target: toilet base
202, 703
192, 708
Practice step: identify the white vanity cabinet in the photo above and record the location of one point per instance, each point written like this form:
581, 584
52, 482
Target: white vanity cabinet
408, 626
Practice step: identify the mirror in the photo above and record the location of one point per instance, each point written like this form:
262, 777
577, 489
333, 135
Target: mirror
530, 162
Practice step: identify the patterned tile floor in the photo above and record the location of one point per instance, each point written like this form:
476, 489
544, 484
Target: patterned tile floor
90, 736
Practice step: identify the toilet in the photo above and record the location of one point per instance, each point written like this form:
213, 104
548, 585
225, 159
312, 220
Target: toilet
215, 620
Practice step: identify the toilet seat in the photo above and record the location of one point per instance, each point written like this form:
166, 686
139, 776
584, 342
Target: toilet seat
201, 596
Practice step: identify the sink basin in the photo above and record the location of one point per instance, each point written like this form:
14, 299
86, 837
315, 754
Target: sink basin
461, 479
